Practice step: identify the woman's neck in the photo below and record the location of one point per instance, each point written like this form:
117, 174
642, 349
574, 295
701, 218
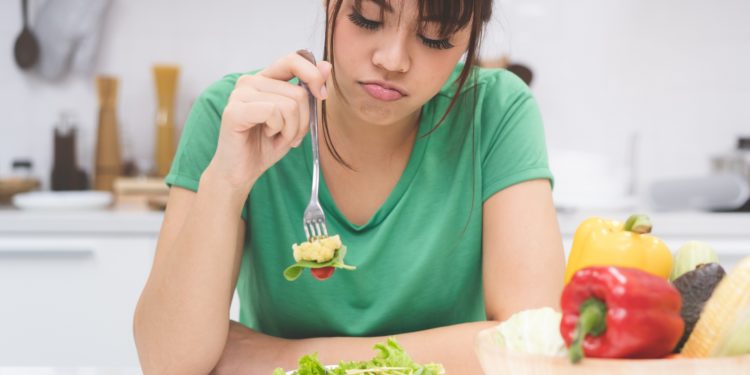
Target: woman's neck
361, 143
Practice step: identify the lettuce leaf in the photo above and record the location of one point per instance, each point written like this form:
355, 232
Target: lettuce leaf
292, 272
533, 331
391, 359
391, 356
308, 365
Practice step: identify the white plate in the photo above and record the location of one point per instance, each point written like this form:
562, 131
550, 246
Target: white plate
63, 200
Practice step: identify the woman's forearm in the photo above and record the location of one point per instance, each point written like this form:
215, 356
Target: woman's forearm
181, 324
452, 346
249, 352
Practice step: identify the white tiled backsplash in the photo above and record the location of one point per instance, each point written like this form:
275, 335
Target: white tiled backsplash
674, 72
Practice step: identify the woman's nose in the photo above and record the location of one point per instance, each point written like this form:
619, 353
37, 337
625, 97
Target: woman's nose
392, 55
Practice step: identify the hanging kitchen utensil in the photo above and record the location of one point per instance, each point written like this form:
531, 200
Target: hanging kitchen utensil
26, 49
69, 34
165, 77
108, 165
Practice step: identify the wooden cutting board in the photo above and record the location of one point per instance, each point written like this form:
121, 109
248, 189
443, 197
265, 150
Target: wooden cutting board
496, 361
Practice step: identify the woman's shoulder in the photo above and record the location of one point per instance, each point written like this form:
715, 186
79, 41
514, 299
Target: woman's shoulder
485, 81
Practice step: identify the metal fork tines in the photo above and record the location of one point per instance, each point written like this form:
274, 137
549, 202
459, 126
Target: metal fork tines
314, 220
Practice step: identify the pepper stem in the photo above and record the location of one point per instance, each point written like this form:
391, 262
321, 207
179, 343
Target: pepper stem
591, 321
638, 223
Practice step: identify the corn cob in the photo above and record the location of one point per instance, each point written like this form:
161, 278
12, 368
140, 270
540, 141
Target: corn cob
738, 340
722, 310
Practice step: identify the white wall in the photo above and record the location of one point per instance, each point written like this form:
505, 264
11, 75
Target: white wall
675, 72
208, 40
672, 71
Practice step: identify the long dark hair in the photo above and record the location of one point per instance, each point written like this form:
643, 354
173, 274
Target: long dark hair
451, 15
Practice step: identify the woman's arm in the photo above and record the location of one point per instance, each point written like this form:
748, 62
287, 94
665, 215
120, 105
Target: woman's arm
523, 265
249, 353
197, 259
181, 321
523, 257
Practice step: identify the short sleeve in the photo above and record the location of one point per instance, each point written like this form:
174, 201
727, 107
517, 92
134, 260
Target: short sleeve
200, 136
512, 142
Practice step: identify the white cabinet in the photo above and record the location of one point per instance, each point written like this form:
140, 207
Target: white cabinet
70, 300
68, 290
69, 284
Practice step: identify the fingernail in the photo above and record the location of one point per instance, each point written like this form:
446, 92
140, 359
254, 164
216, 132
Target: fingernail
323, 92
297, 143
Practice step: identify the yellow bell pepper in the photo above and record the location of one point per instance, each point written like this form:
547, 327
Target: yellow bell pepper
601, 242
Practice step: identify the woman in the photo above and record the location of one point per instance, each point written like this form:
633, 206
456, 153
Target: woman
434, 174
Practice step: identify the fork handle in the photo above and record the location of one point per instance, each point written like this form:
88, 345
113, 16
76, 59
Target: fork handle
313, 123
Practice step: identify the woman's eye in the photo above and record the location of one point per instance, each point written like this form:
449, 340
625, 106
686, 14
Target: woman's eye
363, 22
359, 20
436, 44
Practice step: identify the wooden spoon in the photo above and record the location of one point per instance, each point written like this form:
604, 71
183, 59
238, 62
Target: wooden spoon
27, 47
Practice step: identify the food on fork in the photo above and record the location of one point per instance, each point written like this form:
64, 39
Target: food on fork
322, 255
319, 250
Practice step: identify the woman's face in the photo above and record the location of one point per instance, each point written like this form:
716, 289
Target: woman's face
388, 67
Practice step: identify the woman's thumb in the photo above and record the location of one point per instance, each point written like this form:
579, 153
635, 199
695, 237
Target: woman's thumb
325, 69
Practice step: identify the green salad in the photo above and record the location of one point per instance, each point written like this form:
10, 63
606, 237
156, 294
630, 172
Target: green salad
390, 360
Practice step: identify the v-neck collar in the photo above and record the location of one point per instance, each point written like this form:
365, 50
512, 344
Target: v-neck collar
412, 166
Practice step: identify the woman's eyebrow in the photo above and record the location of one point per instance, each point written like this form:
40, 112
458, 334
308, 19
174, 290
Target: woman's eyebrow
381, 3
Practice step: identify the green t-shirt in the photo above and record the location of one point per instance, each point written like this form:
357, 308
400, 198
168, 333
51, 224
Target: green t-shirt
419, 257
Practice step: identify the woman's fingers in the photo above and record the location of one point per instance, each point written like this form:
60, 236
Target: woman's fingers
265, 115
294, 65
245, 91
325, 68
283, 108
278, 114
245, 115
288, 116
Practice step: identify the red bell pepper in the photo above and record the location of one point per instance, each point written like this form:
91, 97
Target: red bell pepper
619, 312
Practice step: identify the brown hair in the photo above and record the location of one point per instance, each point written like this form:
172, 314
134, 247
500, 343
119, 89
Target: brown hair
451, 15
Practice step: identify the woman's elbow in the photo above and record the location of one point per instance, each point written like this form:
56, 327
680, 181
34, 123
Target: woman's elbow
158, 354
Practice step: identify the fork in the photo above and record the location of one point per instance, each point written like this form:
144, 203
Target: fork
314, 220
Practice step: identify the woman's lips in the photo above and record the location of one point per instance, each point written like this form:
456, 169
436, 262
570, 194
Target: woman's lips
381, 92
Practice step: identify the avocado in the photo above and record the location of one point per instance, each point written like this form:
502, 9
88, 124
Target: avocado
696, 287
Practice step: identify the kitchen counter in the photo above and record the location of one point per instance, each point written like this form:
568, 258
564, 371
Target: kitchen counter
728, 233
112, 221
122, 221
729, 224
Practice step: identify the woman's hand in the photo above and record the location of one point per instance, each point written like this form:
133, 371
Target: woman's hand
249, 352
264, 117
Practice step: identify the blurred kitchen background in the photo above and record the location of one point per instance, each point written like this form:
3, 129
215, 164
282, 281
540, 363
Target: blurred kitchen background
645, 102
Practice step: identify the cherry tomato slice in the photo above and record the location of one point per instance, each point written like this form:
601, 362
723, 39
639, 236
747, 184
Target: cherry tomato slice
322, 273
